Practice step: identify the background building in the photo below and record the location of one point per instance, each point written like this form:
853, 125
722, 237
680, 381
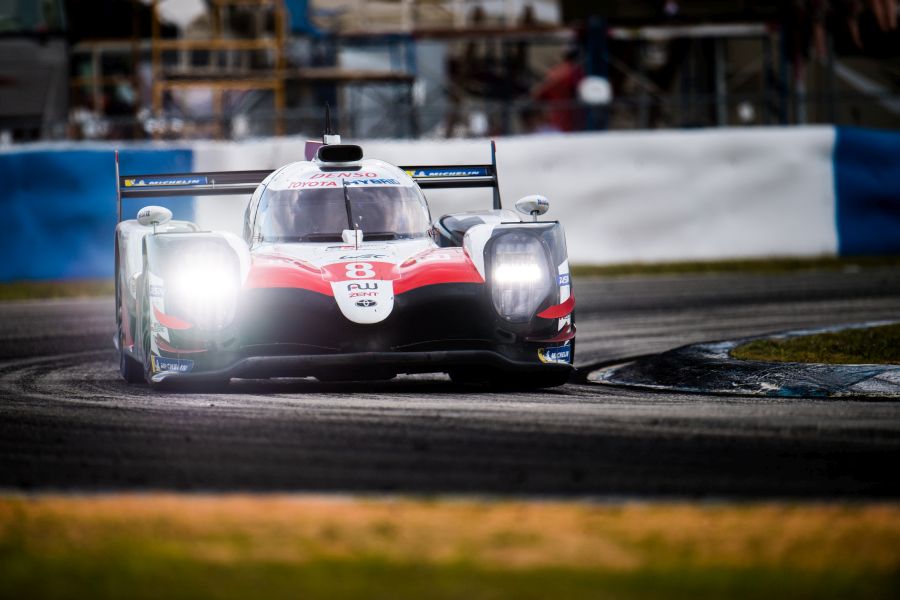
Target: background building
134, 69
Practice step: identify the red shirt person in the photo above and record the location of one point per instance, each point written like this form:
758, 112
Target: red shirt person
560, 89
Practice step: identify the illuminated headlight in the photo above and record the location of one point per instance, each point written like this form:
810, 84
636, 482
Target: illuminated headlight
204, 285
520, 278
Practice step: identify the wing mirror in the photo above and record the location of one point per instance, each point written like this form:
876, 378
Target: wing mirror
534, 205
153, 216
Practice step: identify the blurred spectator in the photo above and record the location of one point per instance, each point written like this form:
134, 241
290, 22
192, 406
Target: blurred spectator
671, 9
559, 90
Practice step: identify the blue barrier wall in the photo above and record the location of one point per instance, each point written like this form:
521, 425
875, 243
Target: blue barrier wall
59, 208
867, 191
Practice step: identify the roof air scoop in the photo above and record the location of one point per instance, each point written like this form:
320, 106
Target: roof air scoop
339, 154
331, 152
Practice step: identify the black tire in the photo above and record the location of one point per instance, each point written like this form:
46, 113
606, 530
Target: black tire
131, 370
142, 326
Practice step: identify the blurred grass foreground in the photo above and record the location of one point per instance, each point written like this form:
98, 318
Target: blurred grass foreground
241, 546
858, 346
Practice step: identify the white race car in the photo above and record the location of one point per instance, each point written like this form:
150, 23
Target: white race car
341, 275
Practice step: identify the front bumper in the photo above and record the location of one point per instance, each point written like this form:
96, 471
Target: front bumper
262, 367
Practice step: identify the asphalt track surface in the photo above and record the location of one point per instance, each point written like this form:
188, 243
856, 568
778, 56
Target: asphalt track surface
68, 422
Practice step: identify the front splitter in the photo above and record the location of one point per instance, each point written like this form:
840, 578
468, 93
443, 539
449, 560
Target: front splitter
262, 367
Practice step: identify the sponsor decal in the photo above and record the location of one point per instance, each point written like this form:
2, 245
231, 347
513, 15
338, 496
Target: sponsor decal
449, 172
365, 303
376, 181
362, 286
333, 180
157, 291
296, 185
345, 248
363, 257
564, 279
146, 181
557, 354
349, 175
160, 329
363, 294
176, 365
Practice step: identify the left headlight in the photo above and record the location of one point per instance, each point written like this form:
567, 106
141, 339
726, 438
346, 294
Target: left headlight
520, 276
204, 285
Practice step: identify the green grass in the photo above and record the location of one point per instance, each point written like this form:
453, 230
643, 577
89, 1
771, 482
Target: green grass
768, 265
167, 546
148, 576
30, 290
871, 345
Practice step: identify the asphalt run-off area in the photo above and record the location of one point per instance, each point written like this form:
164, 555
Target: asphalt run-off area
69, 423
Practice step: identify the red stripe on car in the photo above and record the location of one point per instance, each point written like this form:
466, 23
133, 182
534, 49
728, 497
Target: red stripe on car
166, 347
286, 276
170, 321
560, 310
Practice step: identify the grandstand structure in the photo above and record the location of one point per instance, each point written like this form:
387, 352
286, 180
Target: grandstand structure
449, 68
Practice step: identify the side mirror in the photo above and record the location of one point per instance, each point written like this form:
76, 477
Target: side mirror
534, 205
154, 215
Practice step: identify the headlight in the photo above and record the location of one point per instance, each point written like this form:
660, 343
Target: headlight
204, 285
520, 278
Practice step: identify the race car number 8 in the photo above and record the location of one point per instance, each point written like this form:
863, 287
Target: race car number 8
360, 271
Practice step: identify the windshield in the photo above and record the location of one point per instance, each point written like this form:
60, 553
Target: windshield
320, 215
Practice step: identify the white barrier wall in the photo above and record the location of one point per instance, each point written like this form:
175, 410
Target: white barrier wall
622, 197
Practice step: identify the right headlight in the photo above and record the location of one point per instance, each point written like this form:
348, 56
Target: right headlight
520, 276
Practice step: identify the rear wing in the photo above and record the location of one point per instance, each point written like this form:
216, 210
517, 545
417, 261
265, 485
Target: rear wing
185, 184
245, 182
459, 176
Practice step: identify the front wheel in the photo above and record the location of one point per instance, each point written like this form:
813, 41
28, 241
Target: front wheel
132, 371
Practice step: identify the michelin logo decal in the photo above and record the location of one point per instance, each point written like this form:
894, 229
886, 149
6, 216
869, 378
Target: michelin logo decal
148, 181
558, 354
451, 172
176, 365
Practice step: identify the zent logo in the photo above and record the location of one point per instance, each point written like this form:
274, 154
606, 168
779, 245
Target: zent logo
360, 271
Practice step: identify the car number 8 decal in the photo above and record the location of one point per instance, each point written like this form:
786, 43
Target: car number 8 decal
360, 271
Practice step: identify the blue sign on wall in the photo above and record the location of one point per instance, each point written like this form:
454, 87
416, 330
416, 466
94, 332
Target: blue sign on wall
60, 208
867, 191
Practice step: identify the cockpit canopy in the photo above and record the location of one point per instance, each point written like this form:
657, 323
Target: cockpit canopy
381, 208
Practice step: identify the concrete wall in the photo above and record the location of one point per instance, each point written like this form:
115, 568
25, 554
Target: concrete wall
622, 197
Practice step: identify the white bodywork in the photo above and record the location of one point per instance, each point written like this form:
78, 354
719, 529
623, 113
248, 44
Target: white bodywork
362, 296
